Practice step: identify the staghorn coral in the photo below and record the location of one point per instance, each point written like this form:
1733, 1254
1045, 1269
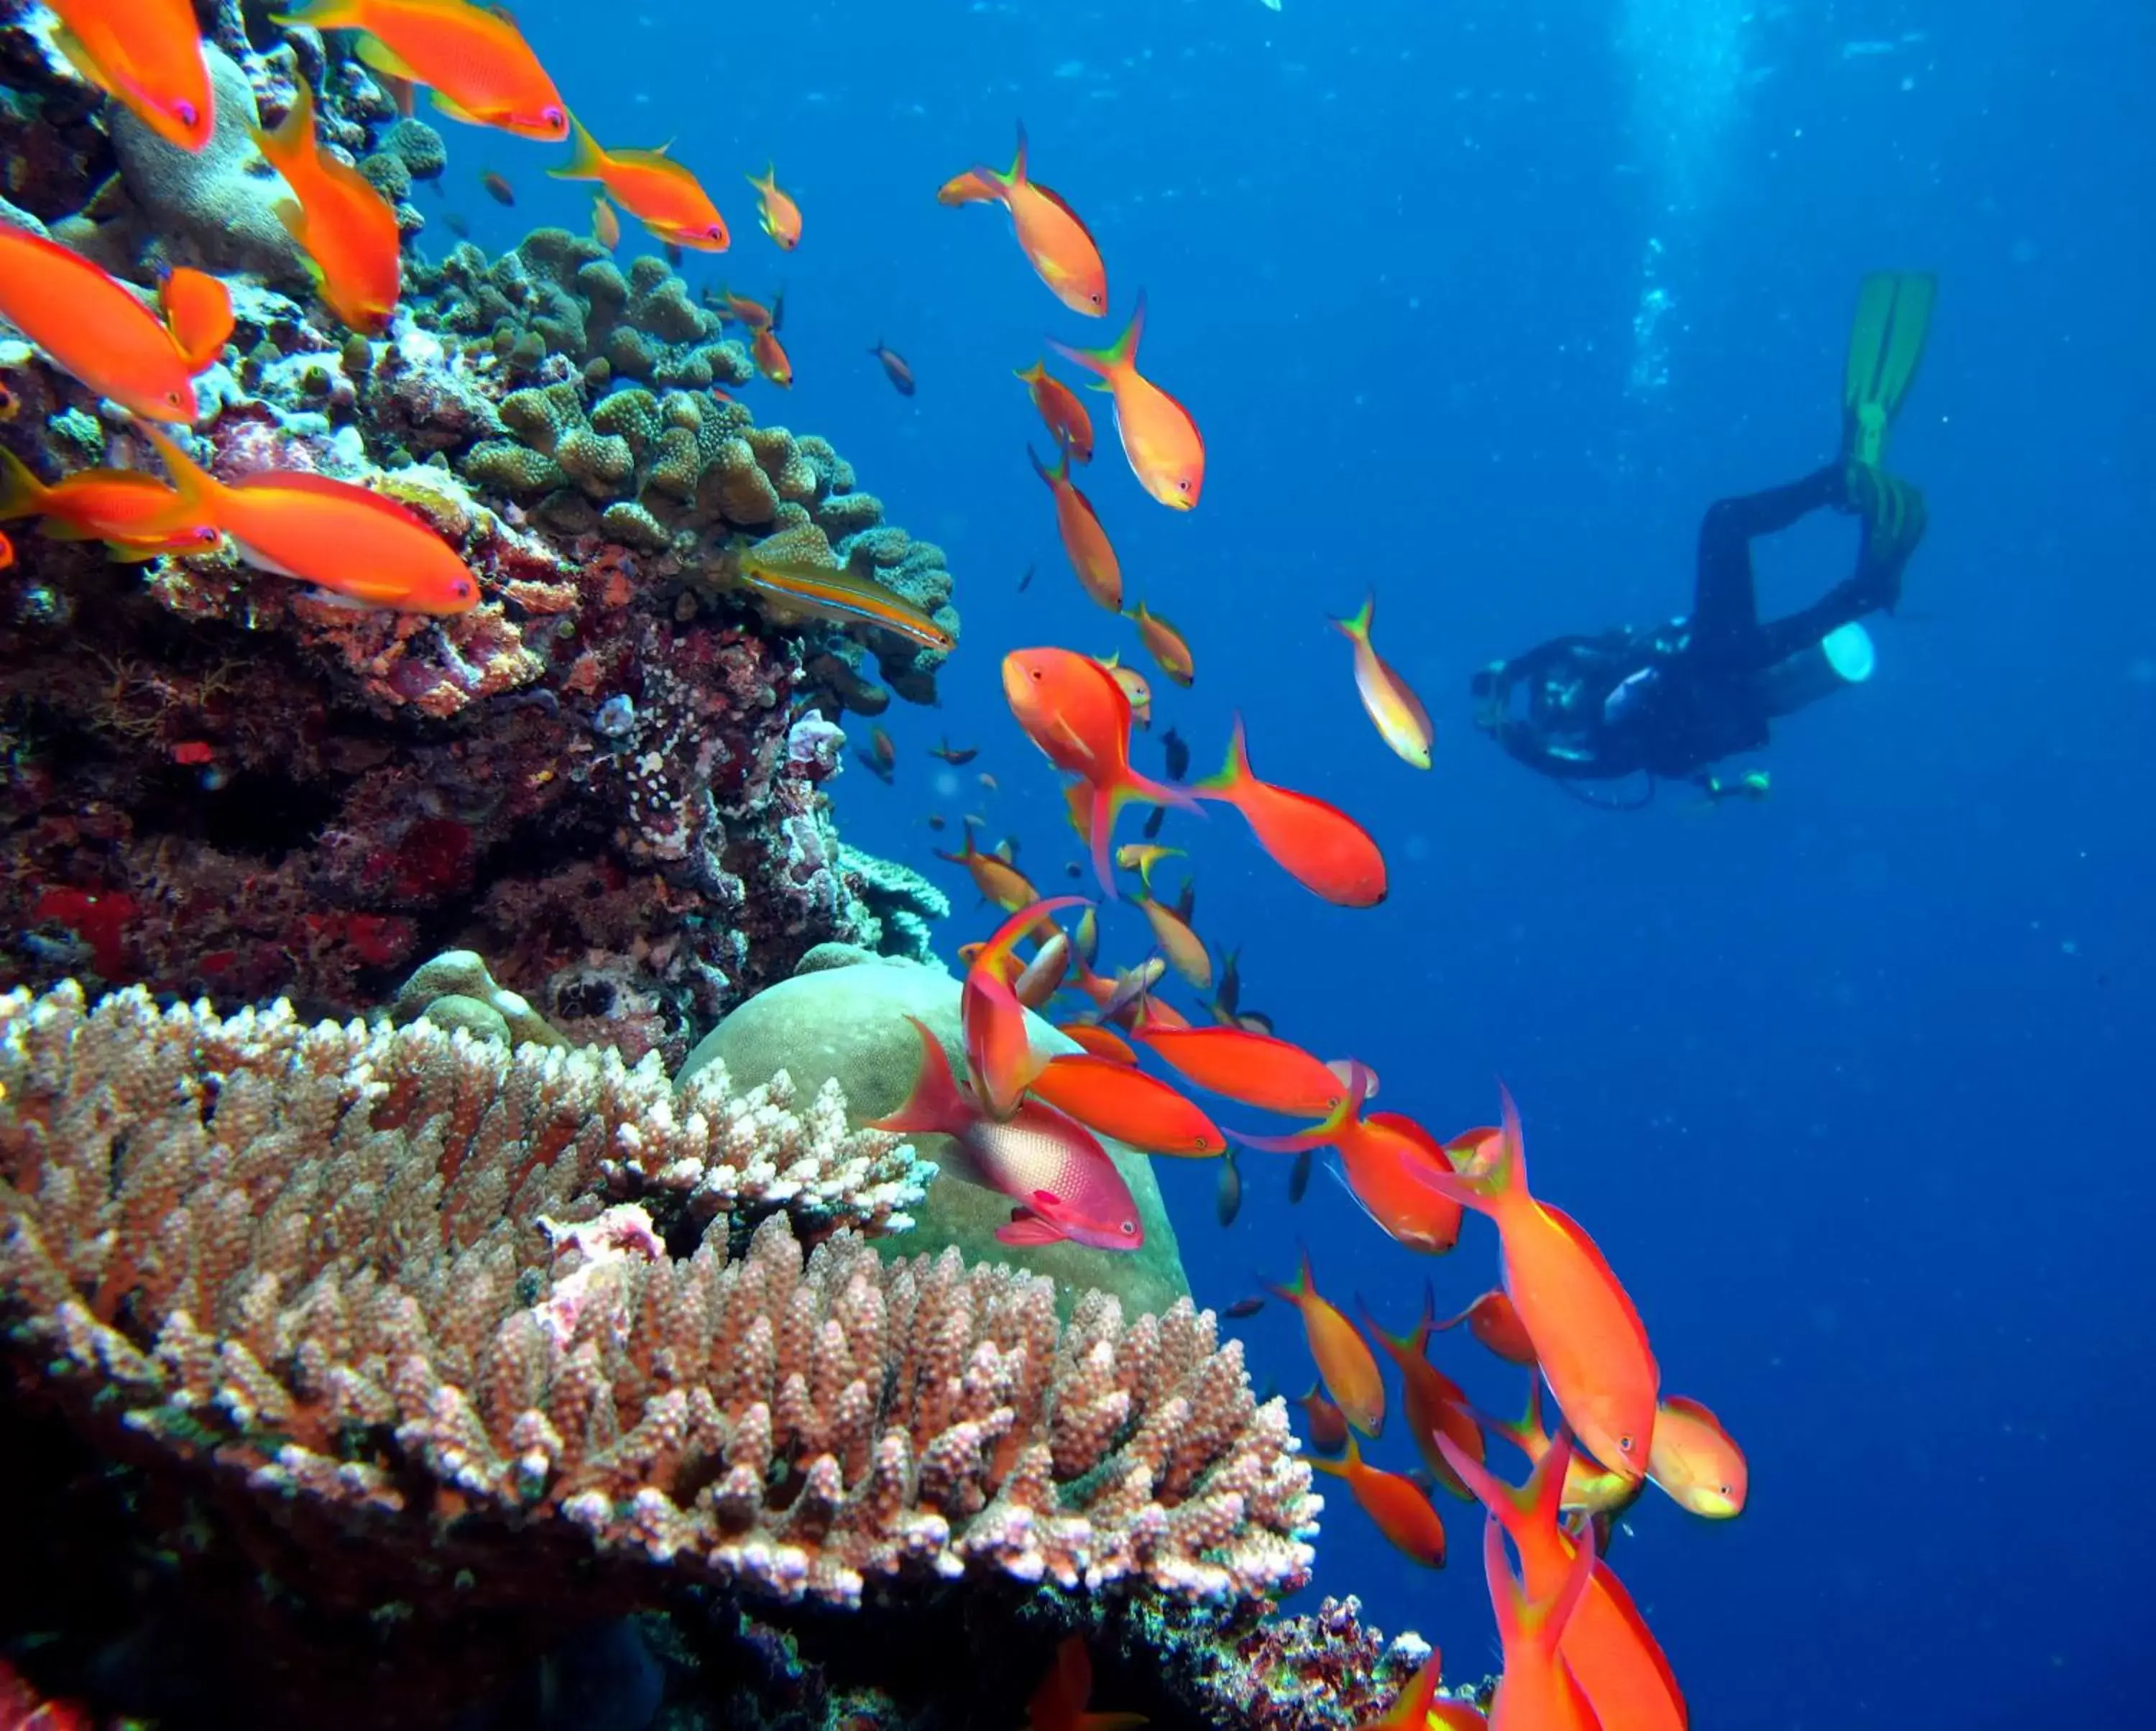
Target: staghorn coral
371, 1285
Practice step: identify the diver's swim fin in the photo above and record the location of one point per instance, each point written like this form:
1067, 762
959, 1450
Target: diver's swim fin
1885, 342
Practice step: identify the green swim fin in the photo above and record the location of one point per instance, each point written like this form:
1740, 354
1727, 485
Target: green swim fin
1885, 342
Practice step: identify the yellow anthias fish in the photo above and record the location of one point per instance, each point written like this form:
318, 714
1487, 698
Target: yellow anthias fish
1402, 722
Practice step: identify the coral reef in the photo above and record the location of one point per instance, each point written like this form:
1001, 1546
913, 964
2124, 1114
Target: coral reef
372, 1291
610, 777
843, 1019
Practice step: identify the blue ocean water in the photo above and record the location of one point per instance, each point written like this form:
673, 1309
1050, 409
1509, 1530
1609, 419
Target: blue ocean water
1480, 304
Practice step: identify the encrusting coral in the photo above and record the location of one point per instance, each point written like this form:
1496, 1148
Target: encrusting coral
403, 1286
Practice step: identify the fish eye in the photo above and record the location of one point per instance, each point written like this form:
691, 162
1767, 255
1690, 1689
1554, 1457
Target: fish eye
713, 233
1624, 1444
173, 398
1129, 1229
551, 115
186, 112
1183, 486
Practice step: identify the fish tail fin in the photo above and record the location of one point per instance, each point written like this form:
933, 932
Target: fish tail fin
1061, 471
1120, 355
1032, 375
195, 485
21, 494
1498, 1182
1234, 777
1108, 804
1510, 1506
936, 1103
1521, 1622
586, 158
1542, 1498
197, 314
1016, 178
1351, 1459
294, 135
1296, 1290
1356, 627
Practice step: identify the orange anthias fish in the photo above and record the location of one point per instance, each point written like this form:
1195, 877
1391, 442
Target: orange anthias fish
776, 213
1000, 1058
739, 308
1254, 1069
1696, 1462
7, 553
966, 188
1061, 412
1432, 1405
1162, 442
1380, 1156
1328, 1424
1168, 647
1100, 1042
651, 187
1058, 1704
879, 757
348, 229
1394, 1500
1072, 708
1492, 1320
474, 60
498, 189
94, 328
1084, 541
1588, 1337
1618, 1665
1402, 722
1318, 845
1055, 242
1001, 884
331, 533
146, 54
1051, 1165
771, 358
1118, 1100
107, 505
1345, 1364
1419, 1706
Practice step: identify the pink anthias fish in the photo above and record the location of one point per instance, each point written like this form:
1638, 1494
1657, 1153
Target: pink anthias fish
1052, 1166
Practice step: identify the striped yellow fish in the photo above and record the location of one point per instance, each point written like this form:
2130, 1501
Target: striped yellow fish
836, 594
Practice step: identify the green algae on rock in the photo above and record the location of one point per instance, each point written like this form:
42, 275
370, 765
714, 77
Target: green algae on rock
843, 1016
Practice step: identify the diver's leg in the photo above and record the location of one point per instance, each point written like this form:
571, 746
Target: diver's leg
1725, 604
1893, 525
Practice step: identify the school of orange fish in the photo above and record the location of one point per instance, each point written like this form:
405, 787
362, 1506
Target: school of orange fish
1576, 1652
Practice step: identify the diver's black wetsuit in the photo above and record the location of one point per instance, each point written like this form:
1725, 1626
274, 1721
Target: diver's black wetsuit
1671, 701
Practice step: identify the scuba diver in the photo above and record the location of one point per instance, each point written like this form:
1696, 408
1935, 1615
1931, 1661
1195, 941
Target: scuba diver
1669, 701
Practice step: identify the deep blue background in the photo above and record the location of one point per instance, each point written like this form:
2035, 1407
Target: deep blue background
1850, 1085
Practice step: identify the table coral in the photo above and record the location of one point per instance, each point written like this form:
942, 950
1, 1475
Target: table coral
412, 1303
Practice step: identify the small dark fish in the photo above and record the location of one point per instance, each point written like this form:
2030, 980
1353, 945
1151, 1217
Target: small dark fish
1074, 871
779, 309
1230, 992
1154, 819
1177, 750
954, 754
457, 226
498, 187
1328, 1423
936, 820
674, 255
1186, 901
1026, 579
1228, 1197
1298, 1175
894, 369
881, 756
1243, 1308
